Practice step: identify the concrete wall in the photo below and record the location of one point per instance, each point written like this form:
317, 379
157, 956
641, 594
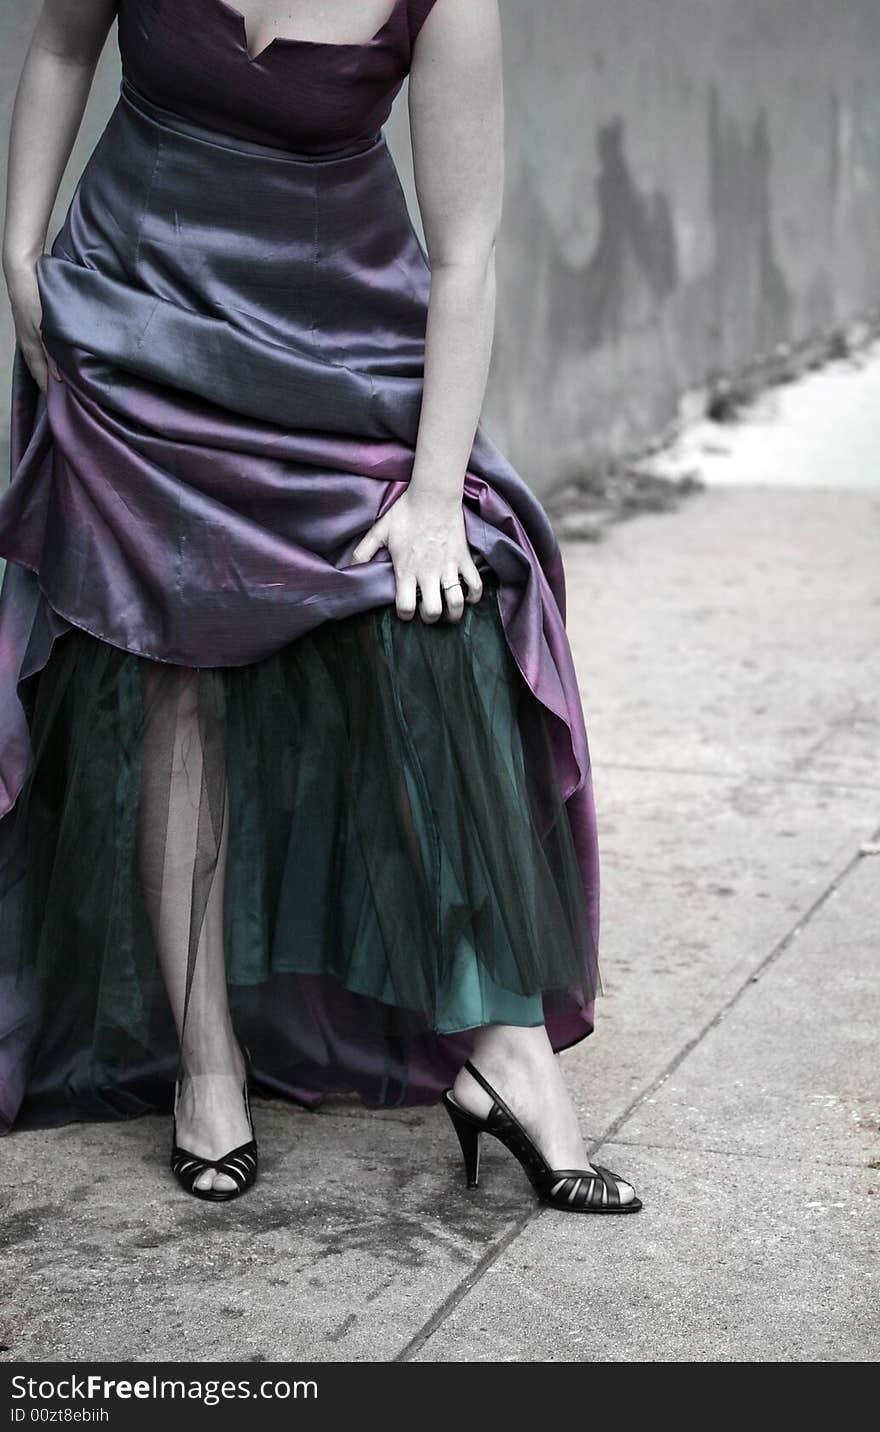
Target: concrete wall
689, 184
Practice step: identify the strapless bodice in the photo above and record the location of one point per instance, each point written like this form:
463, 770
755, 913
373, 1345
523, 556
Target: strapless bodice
191, 56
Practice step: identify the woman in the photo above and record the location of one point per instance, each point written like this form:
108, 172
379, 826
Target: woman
292, 744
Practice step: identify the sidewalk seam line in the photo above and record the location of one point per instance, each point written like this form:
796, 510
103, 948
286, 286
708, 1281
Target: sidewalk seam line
707, 1149
493, 1253
777, 950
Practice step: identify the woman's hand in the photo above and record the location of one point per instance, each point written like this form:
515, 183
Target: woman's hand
27, 314
425, 536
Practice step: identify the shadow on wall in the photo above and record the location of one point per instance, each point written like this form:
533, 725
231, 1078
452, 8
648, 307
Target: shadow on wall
612, 345
635, 250
752, 304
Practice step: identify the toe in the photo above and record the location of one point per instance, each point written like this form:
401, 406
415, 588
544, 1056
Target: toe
224, 1183
205, 1181
625, 1191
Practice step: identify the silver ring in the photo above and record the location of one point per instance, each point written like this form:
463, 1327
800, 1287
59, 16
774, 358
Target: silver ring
450, 586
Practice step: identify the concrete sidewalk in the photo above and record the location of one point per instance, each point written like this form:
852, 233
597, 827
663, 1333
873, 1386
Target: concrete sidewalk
729, 656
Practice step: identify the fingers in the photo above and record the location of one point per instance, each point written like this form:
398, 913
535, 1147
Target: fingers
436, 596
435, 600
370, 543
406, 590
431, 604
446, 597
453, 595
432, 601
405, 596
472, 579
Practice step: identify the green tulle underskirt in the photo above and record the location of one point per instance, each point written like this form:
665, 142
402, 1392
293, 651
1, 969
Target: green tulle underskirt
375, 804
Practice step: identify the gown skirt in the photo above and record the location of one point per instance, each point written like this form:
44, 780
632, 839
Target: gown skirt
215, 731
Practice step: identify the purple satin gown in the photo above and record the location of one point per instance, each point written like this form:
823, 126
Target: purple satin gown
237, 302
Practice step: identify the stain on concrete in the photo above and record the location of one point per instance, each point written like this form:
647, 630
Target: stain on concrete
338, 1333
20, 1226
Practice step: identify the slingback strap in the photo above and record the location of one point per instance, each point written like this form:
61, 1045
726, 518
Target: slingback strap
502, 1122
472, 1069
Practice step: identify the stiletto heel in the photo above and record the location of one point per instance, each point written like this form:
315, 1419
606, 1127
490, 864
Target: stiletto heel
239, 1164
571, 1189
468, 1129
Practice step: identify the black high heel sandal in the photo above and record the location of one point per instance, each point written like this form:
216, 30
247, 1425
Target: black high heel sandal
575, 1190
239, 1164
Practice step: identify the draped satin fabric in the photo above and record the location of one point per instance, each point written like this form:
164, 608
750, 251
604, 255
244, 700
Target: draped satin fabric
237, 302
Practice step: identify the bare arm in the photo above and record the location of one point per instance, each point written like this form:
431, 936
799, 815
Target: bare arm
456, 118
457, 121
49, 103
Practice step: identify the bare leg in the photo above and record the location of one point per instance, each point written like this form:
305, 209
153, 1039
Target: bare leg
520, 1064
183, 847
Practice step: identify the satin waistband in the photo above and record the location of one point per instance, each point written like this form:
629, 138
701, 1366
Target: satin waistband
181, 124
